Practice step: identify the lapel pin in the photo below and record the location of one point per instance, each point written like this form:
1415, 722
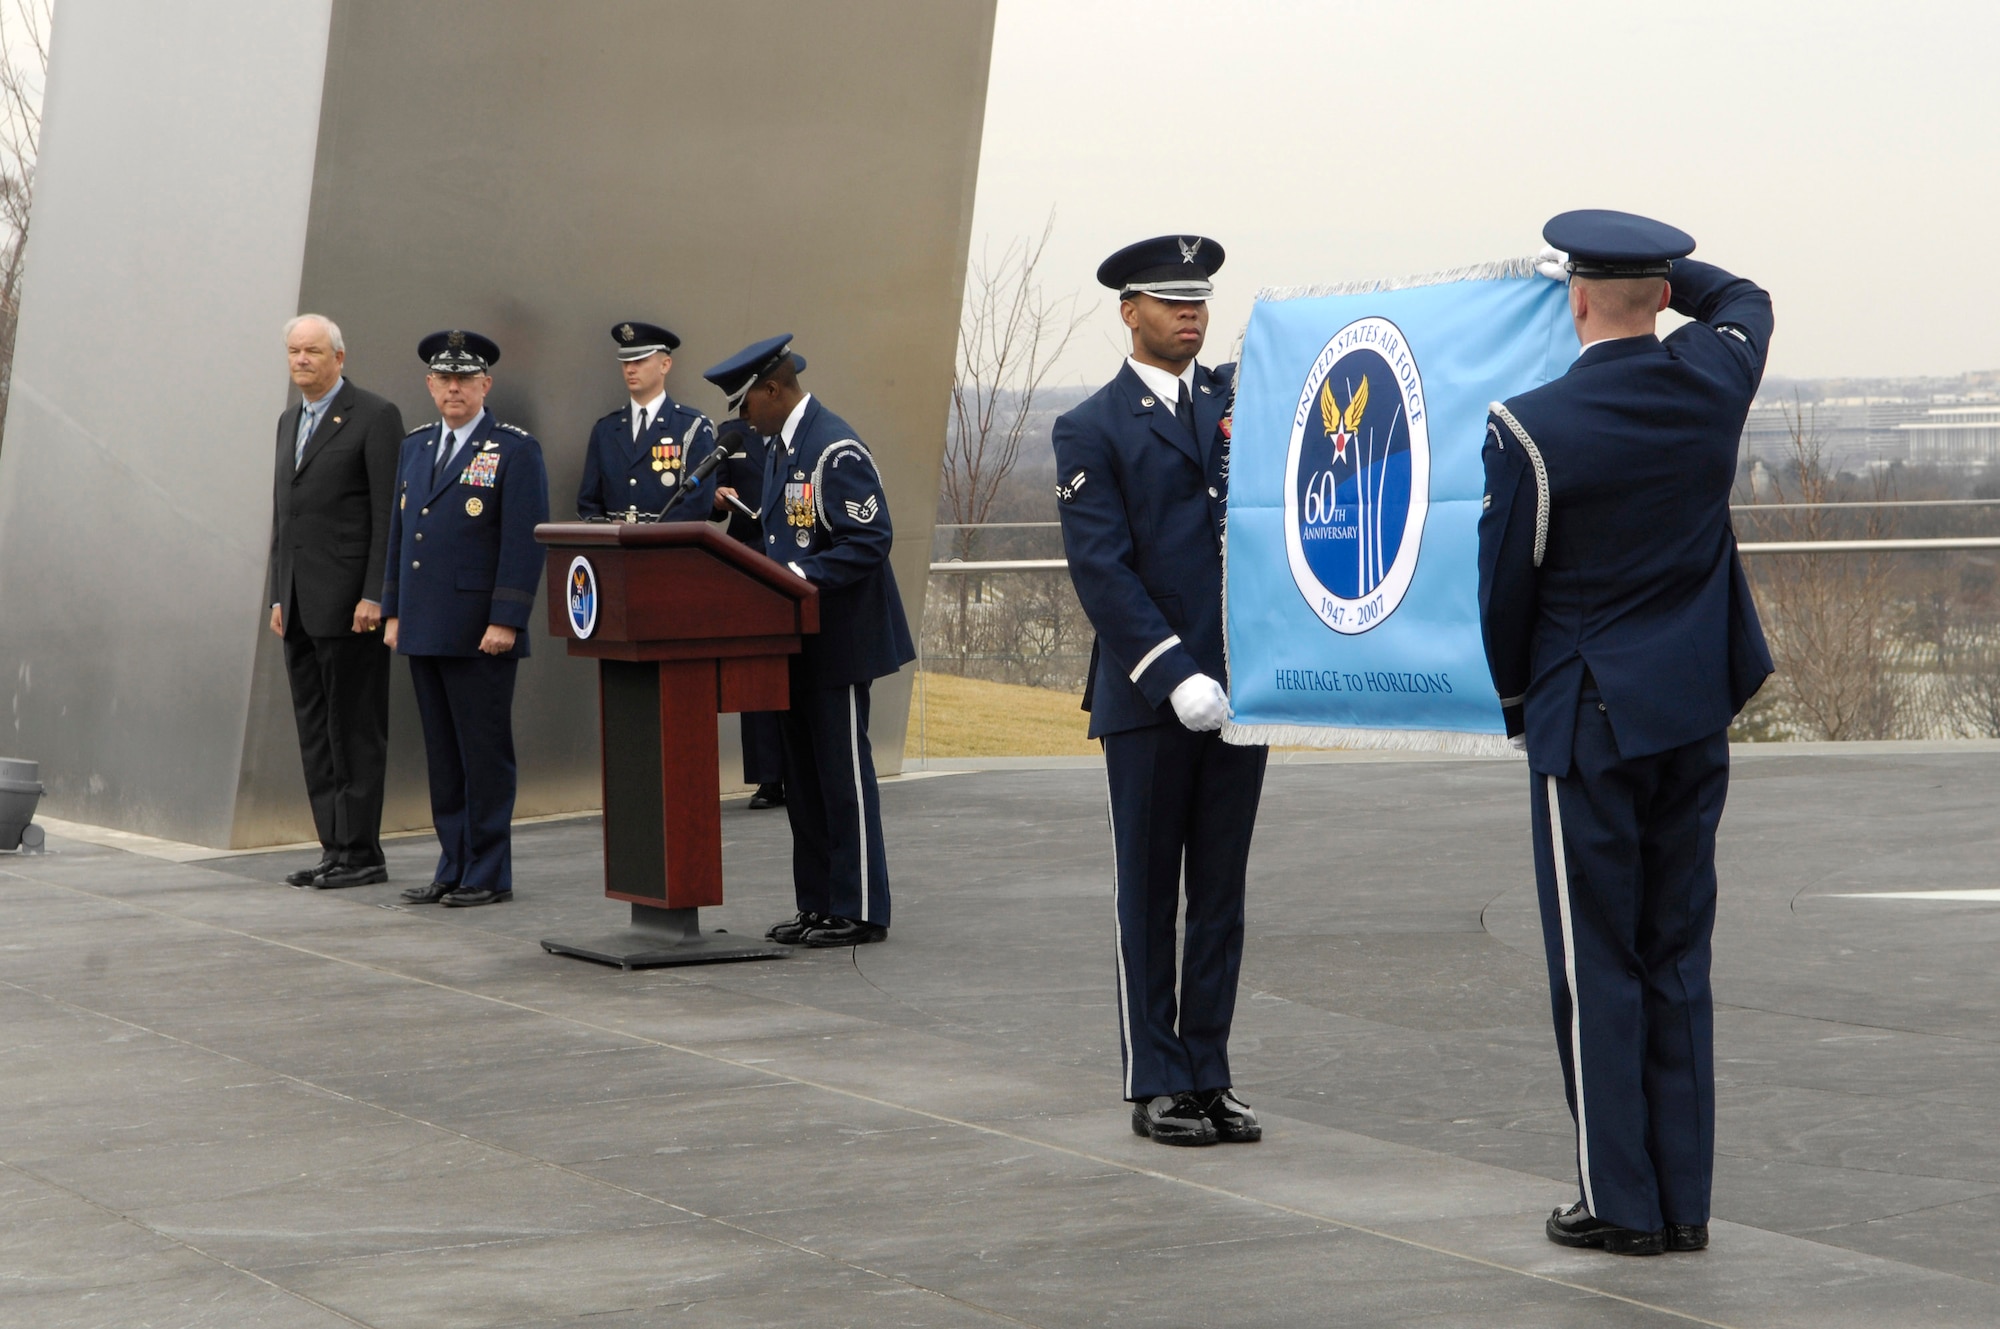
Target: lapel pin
1145, 401
1204, 390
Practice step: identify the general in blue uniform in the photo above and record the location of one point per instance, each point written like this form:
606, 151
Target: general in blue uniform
1622, 641
463, 569
640, 454
826, 517
1142, 485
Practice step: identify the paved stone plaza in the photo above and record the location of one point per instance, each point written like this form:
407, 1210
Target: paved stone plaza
225, 1102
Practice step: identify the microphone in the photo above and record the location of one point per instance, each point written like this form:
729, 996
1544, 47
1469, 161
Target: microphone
701, 471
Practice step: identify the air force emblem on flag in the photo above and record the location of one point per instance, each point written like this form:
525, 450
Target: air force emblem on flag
1357, 478
863, 512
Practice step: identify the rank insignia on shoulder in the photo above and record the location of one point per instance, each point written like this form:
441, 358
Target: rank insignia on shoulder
473, 507
1732, 331
863, 512
420, 429
1066, 492
1485, 502
515, 429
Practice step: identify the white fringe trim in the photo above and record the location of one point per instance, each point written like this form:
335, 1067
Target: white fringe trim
1379, 740
1495, 271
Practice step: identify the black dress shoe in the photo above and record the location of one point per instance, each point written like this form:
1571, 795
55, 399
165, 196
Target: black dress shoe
770, 795
464, 899
1687, 1236
793, 930
335, 878
1232, 1118
830, 932
1574, 1226
307, 876
430, 894
1173, 1119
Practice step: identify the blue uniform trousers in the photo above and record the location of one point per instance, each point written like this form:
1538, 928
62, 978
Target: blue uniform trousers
763, 746
1625, 865
467, 707
1179, 801
839, 867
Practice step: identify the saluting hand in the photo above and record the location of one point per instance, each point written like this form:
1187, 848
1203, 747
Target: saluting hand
498, 640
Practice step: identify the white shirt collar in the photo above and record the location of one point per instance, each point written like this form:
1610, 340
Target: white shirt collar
1587, 345
651, 408
791, 425
1165, 386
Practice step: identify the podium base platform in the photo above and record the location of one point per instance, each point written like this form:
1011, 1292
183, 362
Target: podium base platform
662, 937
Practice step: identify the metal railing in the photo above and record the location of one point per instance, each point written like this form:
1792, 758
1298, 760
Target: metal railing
1938, 544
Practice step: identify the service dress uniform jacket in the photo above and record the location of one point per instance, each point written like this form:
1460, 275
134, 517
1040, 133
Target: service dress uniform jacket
1142, 497
826, 517
329, 540
463, 555
621, 473
1622, 638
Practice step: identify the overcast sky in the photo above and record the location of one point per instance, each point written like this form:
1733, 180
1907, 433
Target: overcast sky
1844, 155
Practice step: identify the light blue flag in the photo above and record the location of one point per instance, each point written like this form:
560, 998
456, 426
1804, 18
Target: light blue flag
1351, 581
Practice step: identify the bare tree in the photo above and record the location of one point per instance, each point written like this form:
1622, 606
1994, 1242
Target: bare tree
1828, 614
24, 69
1010, 336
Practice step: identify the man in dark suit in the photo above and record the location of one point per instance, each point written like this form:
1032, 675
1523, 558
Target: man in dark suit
456, 600
1622, 640
825, 516
739, 494
1141, 486
639, 456
336, 472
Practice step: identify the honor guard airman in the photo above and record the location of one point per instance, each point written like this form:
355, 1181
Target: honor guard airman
1141, 487
826, 517
640, 455
463, 570
1622, 640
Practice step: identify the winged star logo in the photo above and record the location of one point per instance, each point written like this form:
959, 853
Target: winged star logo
863, 511
1340, 425
1189, 248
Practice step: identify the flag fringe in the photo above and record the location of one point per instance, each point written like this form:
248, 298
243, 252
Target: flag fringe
1498, 270
1378, 740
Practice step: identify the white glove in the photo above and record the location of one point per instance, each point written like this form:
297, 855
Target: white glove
1552, 263
1519, 742
1201, 703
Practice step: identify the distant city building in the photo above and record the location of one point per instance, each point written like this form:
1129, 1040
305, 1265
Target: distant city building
1955, 435
1853, 433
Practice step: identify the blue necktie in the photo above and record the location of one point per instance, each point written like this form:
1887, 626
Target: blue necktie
308, 421
445, 450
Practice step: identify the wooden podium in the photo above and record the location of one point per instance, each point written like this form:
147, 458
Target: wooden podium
685, 624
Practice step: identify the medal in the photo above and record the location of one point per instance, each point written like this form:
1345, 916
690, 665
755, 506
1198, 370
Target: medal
667, 478
802, 538
473, 507
659, 465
